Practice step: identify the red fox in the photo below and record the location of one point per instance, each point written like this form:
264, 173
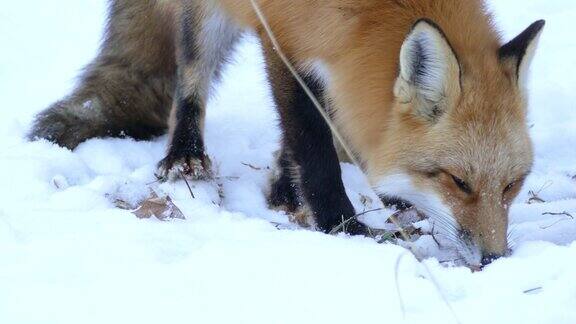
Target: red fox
429, 99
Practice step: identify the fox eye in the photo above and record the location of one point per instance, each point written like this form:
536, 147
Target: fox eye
462, 185
509, 187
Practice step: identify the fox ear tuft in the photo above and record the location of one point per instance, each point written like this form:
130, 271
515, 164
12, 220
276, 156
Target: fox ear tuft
429, 70
518, 53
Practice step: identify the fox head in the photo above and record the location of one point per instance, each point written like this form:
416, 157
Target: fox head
461, 143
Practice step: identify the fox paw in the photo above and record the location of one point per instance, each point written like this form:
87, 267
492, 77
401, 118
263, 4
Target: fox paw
304, 217
170, 169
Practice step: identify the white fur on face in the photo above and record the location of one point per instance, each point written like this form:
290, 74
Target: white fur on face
401, 185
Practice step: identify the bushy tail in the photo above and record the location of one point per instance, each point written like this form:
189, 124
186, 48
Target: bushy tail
127, 90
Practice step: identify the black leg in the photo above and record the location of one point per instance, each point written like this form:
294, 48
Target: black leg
309, 140
186, 151
203, 44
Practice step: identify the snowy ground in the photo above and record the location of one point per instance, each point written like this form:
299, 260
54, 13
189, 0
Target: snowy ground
67, 255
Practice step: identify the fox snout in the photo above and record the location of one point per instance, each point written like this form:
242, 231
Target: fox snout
484, 227
475, 224
480, 248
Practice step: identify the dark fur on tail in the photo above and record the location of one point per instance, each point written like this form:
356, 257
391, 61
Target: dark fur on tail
128, 89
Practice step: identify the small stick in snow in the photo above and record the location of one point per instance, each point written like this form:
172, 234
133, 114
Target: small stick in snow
451, 261
559, 214
355, 217
553, 224
253, 167
188, 185
533, 290
534, 198
558, 221
229, 178
153, 182
434, 236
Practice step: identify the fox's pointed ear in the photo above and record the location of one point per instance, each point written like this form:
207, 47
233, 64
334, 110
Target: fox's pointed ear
518, 53
429, 71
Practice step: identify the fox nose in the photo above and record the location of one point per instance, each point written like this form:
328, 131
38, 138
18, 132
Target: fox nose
489, 258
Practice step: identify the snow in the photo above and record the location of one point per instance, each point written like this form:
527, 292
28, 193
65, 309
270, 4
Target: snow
68, 255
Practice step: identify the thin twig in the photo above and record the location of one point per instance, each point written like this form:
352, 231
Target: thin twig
559, 214
187, 184
153, 182
534, 194
344, 223
229, 178
533, 290
434, 238
553, 224
252, 166
401, 230
450, 261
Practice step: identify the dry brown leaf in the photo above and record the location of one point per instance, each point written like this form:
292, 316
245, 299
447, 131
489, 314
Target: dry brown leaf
163, 209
